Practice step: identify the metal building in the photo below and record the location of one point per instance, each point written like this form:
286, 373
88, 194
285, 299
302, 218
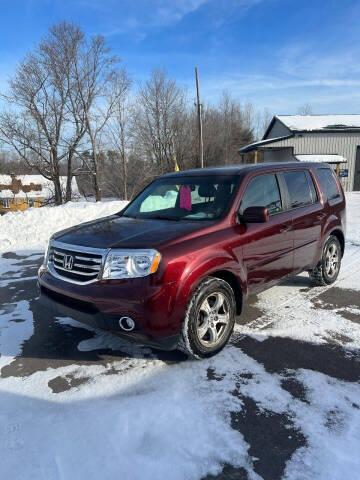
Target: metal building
333, 139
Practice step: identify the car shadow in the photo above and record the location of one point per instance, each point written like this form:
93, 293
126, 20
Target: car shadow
297, 281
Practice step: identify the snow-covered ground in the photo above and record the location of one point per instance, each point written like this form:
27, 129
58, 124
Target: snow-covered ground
32, 228
281, 401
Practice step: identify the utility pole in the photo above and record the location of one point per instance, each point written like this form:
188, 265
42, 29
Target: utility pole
198, 105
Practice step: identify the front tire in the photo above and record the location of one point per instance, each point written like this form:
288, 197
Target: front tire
328, 268
209, 319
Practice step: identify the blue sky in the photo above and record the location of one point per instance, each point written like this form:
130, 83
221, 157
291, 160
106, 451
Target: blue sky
277, 54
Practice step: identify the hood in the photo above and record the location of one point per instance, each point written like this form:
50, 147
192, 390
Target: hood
124, 232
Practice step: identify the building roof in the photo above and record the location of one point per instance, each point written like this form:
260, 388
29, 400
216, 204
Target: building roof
255, 145
30, 186
309, 123
321, 158
306, 123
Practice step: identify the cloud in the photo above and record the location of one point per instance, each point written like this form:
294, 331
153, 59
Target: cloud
328, 78
243, 83
284, 94
319, 61
142, 13
128, 16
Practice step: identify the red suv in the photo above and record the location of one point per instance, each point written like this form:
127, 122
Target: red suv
173, 269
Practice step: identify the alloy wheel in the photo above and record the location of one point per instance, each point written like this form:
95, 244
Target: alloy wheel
213, 319
332, 260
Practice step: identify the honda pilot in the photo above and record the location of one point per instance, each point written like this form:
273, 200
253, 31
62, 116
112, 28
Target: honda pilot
174, 268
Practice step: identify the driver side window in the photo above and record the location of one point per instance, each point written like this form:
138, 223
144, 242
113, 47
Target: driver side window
262, 191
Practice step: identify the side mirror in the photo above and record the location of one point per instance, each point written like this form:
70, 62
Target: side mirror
255, 215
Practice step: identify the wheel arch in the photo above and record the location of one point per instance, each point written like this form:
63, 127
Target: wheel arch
231, 279
340, 236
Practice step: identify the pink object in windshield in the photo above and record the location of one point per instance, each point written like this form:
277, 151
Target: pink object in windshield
185, 197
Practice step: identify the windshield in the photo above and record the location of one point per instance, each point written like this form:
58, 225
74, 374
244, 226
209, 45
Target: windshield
184, 198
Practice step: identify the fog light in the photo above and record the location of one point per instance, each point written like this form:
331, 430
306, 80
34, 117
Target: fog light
127, 324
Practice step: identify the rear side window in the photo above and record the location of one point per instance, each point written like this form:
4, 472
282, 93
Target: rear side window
328, 183
298, 188
313, 191
262, 191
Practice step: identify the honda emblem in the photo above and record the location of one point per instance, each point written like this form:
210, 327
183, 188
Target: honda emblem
68, 262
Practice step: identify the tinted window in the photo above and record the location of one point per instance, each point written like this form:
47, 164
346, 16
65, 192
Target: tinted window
312, 188
328, 183
262, 191
298, 187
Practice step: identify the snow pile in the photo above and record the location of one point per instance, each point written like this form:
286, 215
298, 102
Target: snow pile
32, 228
321, 158
353, 218
320, 122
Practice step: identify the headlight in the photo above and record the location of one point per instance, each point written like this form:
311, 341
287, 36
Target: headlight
131, 263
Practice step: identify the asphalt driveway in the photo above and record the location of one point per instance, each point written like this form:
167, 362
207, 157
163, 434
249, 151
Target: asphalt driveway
288, 342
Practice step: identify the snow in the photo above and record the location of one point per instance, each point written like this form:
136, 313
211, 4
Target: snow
319, 122
353, 218
333, 450
124, 437
6, 194
47, 187
321, 158
13, 336
251, 146
136, 416
20, 230
296, 317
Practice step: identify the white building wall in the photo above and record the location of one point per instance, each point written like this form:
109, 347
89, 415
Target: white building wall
337, 143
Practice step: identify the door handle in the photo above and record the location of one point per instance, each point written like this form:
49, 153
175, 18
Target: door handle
286, 228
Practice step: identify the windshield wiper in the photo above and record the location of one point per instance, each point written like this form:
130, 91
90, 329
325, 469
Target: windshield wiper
159, 217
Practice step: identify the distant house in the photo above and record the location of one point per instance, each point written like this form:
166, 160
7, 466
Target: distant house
24, 191
334, 139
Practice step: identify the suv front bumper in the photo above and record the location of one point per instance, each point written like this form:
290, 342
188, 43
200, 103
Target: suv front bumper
102, 305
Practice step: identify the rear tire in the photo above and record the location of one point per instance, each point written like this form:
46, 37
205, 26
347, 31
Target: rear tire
209, 319
327, 270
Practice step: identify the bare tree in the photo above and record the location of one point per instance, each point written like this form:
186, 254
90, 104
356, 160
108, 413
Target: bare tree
260, 121
66, 46
33, 128
56, 95
94, 75
118, 132
74, 113
305, 109
237, 128
162, 107
227, 126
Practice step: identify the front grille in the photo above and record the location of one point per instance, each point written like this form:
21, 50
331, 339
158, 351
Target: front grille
75, 265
